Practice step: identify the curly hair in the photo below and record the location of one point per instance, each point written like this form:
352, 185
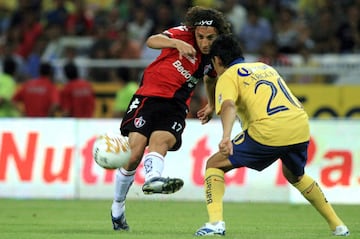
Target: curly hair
201, 16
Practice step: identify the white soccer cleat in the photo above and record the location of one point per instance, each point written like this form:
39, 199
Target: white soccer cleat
210, 229
341, 230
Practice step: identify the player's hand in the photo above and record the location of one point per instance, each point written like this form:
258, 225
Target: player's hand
205, 114
185, 49
226, 147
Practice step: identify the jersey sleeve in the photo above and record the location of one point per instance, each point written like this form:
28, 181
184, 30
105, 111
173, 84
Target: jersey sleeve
226, 89
177, 32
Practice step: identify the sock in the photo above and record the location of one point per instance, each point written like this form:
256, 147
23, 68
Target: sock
123, 181
153, 165
313, 193
214, 193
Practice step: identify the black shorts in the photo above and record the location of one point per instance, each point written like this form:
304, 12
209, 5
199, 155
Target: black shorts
148, 114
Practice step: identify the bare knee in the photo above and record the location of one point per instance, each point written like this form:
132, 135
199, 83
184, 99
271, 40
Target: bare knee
290, 177
219, 161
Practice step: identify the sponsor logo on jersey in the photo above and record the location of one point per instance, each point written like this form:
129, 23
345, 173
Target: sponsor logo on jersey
180, 68
192, 81
139, 122
243, 72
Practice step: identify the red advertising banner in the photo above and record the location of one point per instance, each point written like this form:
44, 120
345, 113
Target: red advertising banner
52, 158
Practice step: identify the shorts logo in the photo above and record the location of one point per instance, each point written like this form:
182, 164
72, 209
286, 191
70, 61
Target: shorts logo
134, 105
139, 122
239, 139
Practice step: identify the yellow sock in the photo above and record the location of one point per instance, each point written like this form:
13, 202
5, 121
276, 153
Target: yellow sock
313, 193
214, 193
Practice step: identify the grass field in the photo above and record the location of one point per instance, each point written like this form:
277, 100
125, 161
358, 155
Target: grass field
80, 219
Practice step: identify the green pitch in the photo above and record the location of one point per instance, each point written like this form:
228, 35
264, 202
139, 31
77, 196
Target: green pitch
86, 219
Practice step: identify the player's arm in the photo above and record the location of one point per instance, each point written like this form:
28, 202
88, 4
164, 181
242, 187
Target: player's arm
206, 113
210, 83
160, 41
228, 117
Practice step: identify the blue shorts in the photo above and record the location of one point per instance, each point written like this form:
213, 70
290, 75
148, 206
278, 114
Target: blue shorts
251, 154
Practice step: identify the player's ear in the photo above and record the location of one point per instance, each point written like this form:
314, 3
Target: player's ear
216, 60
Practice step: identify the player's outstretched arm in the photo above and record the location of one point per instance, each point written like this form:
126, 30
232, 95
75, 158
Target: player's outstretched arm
160, 41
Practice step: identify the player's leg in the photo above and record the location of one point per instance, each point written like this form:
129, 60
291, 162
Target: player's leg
123, 180
214, 187
295, 160
160, 142
246, 153
168, 123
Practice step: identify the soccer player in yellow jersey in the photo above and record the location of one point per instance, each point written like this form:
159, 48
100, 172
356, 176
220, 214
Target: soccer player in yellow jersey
275, 126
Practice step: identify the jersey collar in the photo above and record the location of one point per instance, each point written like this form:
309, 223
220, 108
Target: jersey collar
236, 61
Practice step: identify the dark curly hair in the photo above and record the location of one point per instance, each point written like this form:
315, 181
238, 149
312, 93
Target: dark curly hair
201, 16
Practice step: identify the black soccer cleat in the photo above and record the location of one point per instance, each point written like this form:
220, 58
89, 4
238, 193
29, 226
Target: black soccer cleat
162, 185
119, 223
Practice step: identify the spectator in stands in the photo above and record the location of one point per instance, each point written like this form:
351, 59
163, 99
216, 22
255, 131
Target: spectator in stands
79, 23
31, 30
267, 9
77, 97
270, 55
286, 31
53, 34
123, 47
348, 31
307, 60
179, 8
39, 97
7, 88
100, 49
128, 86
114, 22
122, 9
7, 49
235, 13
323, 32
163, 19
33, 61
140, 26
58, 14
256, 31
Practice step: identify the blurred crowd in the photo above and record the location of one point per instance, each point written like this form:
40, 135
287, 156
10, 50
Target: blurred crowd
30, 30
268, 28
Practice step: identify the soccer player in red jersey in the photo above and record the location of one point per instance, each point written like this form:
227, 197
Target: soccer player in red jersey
40, 97
77, 96
156, 114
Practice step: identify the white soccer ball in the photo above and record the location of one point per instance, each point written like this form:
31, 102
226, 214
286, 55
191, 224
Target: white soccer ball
111, 150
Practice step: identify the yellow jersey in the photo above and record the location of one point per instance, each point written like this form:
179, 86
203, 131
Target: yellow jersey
267, 109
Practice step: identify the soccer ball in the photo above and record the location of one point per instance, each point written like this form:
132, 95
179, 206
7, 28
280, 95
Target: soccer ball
111, 150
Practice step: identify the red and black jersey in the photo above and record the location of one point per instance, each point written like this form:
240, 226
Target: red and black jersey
170, 77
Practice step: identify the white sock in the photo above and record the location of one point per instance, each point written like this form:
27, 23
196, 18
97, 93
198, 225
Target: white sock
123, 181
153, 165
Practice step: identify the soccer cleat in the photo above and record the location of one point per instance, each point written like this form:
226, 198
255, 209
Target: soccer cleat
210, 229
119, 223
162, 185
341, 230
